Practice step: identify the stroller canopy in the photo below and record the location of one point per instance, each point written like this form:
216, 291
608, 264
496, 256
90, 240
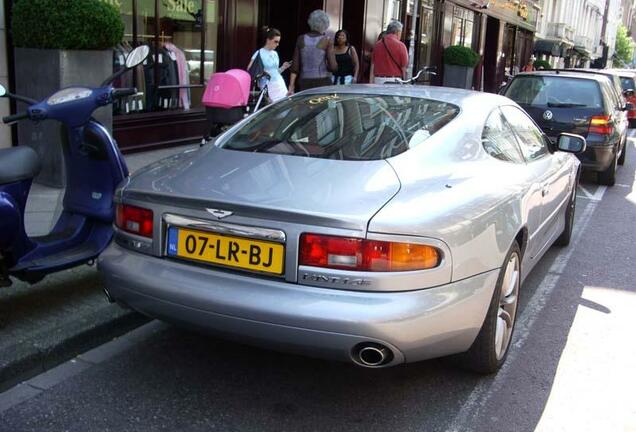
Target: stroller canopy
227, 89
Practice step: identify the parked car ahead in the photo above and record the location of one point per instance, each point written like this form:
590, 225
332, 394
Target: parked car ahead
615, 79
580, 103
628, 83
371, 224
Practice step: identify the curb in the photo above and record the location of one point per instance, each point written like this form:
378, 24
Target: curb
26, 360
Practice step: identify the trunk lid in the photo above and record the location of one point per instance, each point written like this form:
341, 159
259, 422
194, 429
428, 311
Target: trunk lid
556, 120
343, 194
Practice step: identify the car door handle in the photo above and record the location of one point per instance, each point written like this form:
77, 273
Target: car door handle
545, 189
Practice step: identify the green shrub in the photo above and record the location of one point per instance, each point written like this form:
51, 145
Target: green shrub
539, 64
66, 24
460, 56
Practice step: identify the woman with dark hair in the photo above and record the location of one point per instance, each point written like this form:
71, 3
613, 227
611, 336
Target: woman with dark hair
276, 88
314, 57
346, 58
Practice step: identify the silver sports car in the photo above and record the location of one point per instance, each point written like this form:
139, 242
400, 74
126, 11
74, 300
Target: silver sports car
372, 224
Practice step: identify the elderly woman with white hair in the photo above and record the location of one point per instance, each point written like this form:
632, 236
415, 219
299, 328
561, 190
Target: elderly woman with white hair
314, 56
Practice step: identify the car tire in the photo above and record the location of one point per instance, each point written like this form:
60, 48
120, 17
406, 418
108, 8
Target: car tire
621, 160
566, 235
490, 349
608, 177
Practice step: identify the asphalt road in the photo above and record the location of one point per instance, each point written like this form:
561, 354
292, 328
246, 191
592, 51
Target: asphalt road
571, 367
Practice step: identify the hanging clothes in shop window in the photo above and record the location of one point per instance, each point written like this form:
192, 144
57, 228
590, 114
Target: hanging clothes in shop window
184, 75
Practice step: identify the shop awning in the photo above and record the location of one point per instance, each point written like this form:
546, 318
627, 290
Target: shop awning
581, 52
549, 47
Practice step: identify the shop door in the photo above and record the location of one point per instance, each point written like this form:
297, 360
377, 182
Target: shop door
509, 42
288, 16
353, 22
425, 31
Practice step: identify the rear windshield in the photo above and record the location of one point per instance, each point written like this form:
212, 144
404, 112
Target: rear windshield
627, 83
343, 126
555, 92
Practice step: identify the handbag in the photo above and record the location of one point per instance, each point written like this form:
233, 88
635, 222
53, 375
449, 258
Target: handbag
257, 67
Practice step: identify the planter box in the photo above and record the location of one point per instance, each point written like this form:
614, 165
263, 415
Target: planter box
38, 74
458, 76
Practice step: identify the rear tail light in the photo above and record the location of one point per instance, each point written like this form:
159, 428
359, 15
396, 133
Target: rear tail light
348, 253
601, 125
134, 220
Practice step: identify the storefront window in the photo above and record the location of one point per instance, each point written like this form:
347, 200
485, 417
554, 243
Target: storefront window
142, 25
426, 33
462, 27
174, 75
211, 38
392, 12
179, 54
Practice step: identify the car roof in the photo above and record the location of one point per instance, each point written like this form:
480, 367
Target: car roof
459, 97
593, 71
565, 73
627, 73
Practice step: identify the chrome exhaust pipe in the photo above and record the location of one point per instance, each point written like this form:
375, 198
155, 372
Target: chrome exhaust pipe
108, 296
373, 355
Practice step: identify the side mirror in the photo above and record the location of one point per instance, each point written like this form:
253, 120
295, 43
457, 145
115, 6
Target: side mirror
571, 143
137, 56
3, 91
628, 93
629, 106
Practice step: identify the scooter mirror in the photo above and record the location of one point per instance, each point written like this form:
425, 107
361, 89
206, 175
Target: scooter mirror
3, 91
137, 56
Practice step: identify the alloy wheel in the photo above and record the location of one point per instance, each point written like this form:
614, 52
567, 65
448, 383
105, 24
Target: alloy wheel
507, 310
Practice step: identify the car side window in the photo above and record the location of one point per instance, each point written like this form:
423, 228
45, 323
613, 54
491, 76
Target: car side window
615, 96
531, 141
619, 92
498, 139
609, 96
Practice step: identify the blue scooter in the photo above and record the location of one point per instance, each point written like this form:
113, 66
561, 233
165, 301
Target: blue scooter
94, 168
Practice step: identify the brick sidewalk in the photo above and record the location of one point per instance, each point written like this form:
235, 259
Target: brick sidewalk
66, 313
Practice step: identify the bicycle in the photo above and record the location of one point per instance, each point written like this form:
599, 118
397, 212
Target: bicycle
431, 70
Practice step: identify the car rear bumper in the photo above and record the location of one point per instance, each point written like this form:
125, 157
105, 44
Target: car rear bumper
597, 158
319, 322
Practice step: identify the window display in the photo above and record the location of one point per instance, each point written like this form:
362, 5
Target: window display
462, 29
392, 11
182, 40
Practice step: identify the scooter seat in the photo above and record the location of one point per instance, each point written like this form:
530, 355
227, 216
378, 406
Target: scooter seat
18, 163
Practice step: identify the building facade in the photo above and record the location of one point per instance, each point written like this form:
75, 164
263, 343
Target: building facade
578, 33
216, 35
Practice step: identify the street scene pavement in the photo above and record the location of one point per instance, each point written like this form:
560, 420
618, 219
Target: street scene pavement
66, 313
570, 367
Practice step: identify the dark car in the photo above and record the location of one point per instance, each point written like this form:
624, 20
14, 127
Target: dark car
584, 104
623, 95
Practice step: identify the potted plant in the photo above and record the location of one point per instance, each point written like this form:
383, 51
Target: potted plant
59, 43
542, 65
459, 62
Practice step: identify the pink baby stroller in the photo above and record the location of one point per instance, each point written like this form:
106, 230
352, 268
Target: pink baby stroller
228, 98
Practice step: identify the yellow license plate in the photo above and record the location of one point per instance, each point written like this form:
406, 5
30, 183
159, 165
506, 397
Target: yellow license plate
243, 253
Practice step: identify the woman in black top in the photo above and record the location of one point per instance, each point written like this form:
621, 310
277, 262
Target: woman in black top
347, 59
